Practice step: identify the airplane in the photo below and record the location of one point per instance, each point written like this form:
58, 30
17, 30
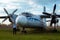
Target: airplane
28, 20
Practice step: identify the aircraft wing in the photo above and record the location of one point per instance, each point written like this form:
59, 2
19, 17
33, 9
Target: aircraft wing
45, 16
48, 16
4, 17
47, 13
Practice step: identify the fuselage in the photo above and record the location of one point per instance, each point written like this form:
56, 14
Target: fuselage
33, 21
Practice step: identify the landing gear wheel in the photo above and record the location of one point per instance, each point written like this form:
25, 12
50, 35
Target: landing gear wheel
18, 30
24, 31
55, 30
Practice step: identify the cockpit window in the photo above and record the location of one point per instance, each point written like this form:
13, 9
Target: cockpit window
27, 14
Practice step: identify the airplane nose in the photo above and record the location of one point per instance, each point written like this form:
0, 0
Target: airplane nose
21, 20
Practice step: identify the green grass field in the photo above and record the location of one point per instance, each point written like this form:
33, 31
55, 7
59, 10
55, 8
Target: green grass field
7, 35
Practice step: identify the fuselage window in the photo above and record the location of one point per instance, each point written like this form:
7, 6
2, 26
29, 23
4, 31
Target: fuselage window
32, 19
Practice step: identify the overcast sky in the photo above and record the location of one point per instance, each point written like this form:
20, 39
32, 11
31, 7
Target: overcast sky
33, 6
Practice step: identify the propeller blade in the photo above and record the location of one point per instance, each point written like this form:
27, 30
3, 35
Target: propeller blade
4, 20
11, 20
51, 22
44, 9
54, 9
6, 11
46, 13
58, 16
14, 11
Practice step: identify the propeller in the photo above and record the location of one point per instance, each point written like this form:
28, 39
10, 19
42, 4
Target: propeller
9, 15
53, 17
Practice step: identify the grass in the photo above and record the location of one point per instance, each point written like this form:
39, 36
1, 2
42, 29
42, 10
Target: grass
6, 34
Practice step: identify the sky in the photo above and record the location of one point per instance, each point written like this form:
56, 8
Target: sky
32, 6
